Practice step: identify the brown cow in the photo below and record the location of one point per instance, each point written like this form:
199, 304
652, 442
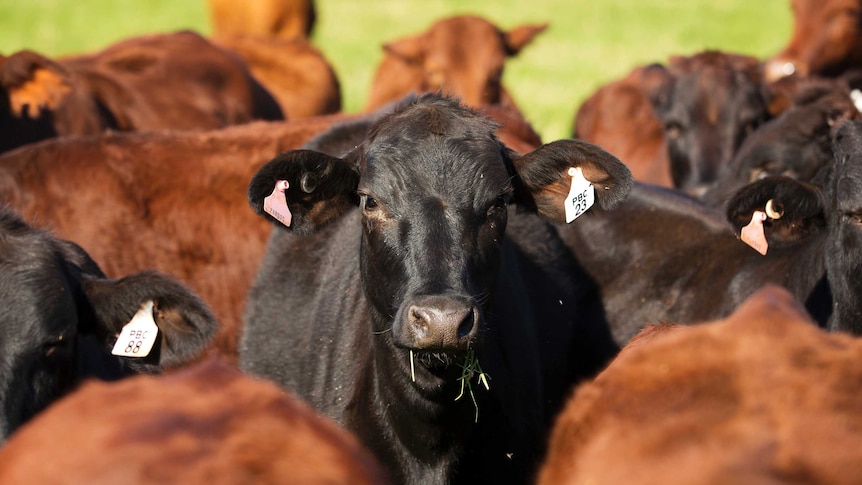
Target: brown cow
826, 40
171, 81
619, 118
206, 425
293, 71
762, 397
171, 201
284, 19
463, 56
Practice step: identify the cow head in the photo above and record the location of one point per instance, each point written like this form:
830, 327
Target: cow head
57, 303
796, 144
827, 37
843, 260
459, 56
831, 210
433, 185
708, 103
31, 88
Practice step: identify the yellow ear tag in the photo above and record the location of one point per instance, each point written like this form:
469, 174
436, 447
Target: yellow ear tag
753, 235
275, 204
582, 195
138, 336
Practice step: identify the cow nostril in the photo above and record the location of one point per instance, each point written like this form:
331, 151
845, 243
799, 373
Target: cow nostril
467, 324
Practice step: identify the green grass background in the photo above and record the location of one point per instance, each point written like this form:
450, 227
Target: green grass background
589, 42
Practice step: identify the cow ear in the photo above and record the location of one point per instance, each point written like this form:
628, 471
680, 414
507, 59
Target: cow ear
518, 38
304, 190
657, 83
793, 209
408, 49
185, 323
33, 83
544, 177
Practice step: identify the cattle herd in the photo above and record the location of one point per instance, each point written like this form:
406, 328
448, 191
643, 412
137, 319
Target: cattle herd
425, 292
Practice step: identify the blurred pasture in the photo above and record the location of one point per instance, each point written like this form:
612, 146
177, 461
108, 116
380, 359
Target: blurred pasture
587, 44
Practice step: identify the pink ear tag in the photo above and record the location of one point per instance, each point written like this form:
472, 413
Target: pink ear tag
275, 204
752, 234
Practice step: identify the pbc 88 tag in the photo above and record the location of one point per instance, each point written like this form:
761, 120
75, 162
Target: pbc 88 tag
138, 336
582, 195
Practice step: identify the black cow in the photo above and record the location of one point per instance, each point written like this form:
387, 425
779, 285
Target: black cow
372, 313
708, 103
60, 318
661, 256
797, 143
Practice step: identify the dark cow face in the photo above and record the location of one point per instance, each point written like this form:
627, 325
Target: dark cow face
834, 211
433, 185
708, 104
796, 144
843, 261
825, 35
55, 300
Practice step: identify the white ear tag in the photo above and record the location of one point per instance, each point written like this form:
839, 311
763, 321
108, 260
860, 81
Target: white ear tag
582, 195
753, 235
275, 204
856, 96
138, 336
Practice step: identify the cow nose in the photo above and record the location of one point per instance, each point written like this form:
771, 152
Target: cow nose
441, 323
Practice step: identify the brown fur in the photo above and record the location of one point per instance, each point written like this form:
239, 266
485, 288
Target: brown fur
826, 39
283, 19
170, 81
619, 118
763, 397
171, 201
293, 71
206, 425
463, 56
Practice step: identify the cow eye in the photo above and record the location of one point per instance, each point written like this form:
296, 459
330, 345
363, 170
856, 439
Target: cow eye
498, 205
369, 203
55, 347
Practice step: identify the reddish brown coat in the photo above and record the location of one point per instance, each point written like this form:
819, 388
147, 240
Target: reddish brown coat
284, 19
171, 201
463, 56
761, 397
826, 39
171, 81
206, 425
293, 71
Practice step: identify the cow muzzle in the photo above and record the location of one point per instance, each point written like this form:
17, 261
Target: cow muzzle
438, 323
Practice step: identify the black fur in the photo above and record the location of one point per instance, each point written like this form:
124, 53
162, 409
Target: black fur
60, 317
334, 315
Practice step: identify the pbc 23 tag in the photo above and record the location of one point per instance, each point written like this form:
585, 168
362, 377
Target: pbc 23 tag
582, 195
138, 336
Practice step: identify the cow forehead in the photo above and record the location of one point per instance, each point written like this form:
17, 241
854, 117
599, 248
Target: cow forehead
454, 170
435, 147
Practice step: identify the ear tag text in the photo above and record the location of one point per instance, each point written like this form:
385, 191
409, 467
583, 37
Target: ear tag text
138, 336
582, 195
275, 204
753, 235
